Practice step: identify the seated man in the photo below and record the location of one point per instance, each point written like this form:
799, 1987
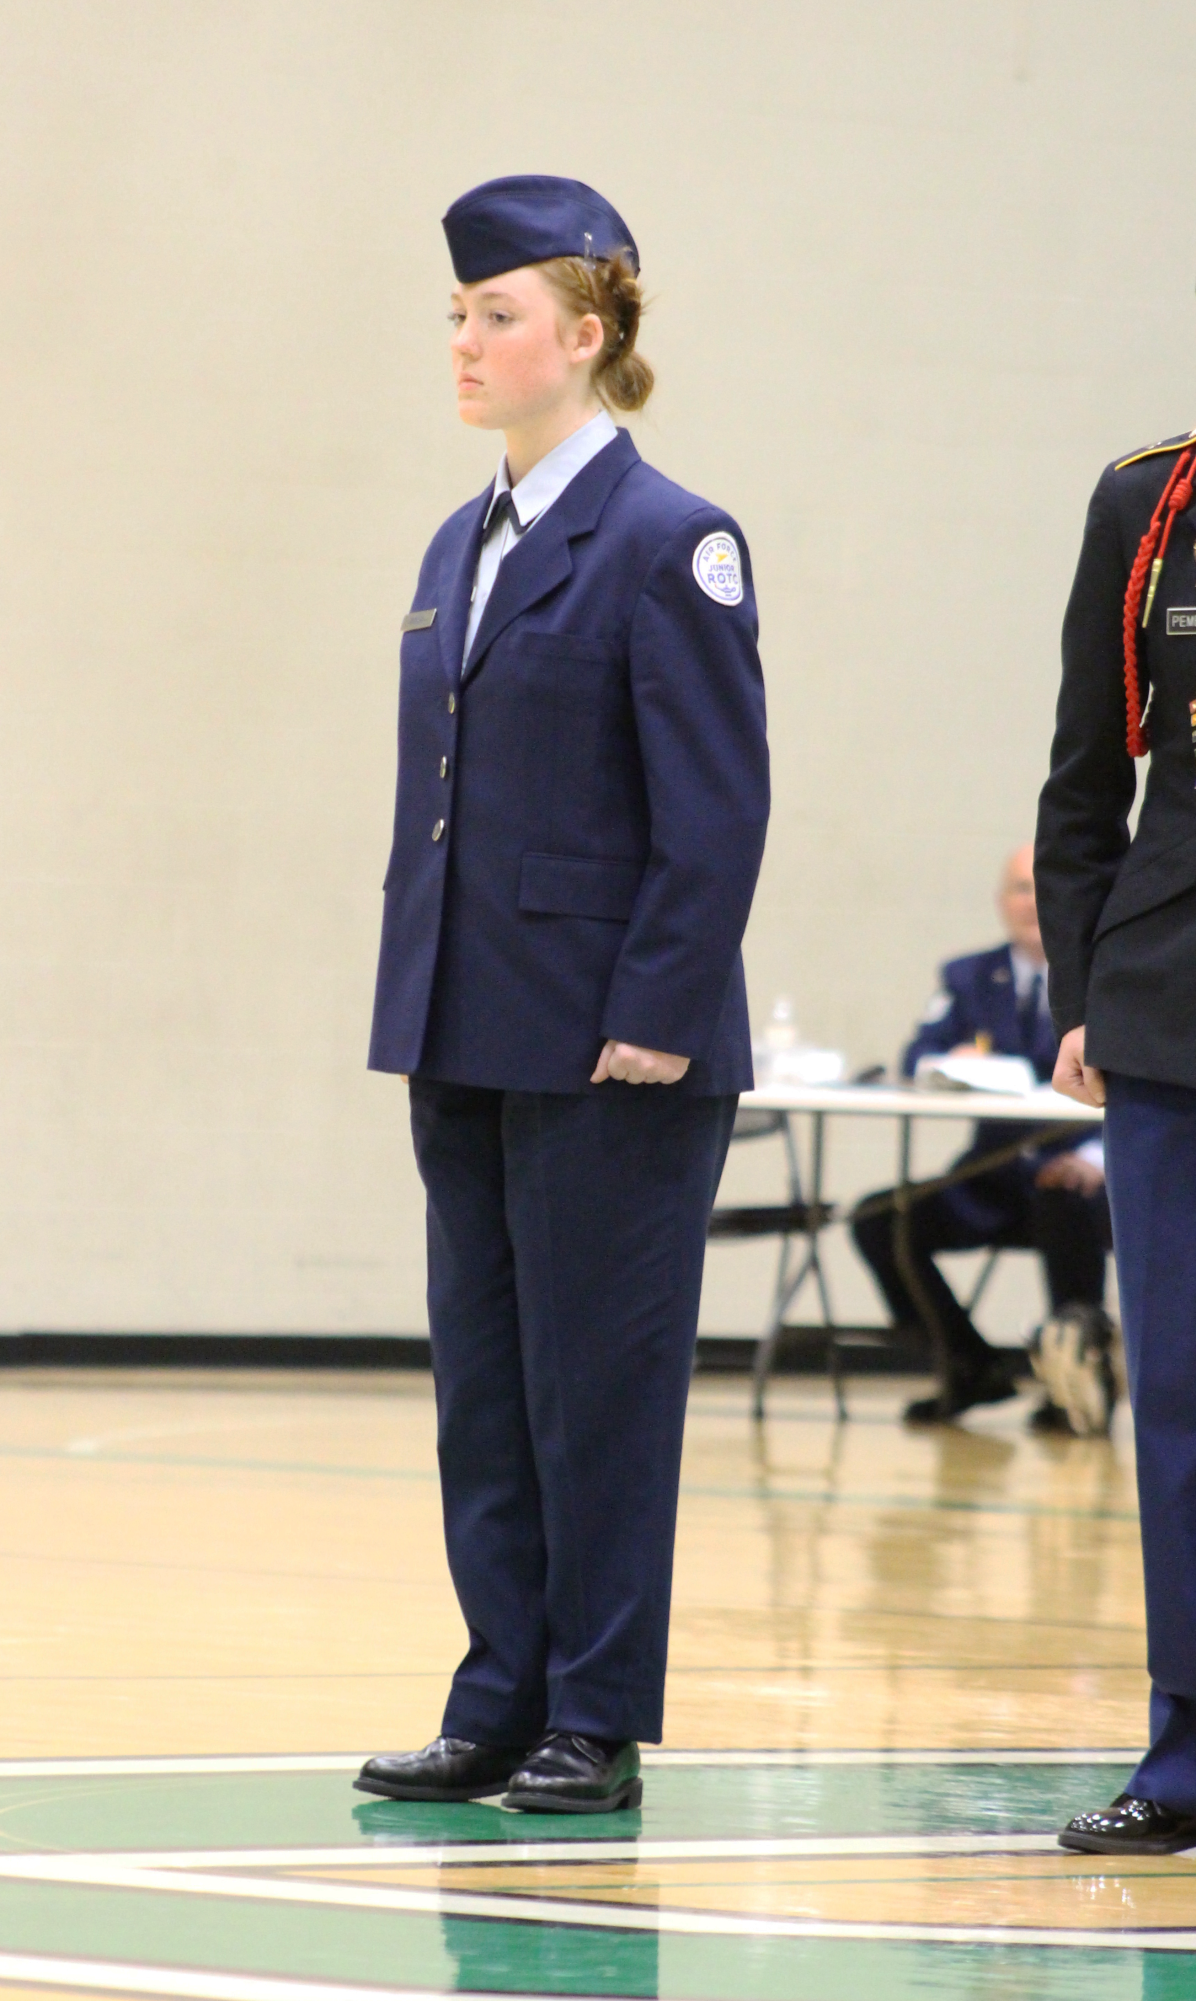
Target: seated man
1049, 1199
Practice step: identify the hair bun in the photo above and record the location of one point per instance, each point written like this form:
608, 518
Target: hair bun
609, 287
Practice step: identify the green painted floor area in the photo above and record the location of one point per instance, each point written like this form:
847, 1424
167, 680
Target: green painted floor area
479, 1956
222, 1811
320, 1809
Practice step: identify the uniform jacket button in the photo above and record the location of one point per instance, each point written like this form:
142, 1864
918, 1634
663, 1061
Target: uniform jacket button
438, 830
444, 767
452, 705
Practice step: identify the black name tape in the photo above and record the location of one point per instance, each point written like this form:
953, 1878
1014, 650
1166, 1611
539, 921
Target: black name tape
1181, 621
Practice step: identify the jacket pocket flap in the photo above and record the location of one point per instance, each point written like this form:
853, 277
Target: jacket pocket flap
1148, 877
563, 646
575, 886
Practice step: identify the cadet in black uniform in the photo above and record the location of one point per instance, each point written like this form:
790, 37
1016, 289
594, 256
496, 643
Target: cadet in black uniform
1119, 925
582, 798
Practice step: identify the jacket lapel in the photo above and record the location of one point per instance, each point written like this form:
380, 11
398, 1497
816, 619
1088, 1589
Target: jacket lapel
458, 574
542, 560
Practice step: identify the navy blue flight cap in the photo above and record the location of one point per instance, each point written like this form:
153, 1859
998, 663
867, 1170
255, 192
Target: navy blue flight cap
528, 218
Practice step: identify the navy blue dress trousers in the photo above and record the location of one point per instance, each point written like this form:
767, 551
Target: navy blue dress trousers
566, 1236
579, 823
1150, 1157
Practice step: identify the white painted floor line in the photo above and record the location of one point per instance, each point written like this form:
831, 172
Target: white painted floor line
120, 1768
88, 1768
98, 1867
629, 1917
978, 1757
113, 1976
601, 1913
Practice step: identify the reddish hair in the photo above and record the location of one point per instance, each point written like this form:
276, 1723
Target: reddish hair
608, 287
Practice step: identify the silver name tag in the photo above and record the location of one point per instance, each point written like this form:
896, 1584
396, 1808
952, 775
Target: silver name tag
1181, 621
416, 621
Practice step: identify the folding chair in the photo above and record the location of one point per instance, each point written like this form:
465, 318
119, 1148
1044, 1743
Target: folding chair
798, 1222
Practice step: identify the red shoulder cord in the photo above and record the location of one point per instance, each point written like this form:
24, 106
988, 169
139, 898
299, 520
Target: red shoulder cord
1175, 497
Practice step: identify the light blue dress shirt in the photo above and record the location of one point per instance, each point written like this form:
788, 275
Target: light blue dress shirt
534, 494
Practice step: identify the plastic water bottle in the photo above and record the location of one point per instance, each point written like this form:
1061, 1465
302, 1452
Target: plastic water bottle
781, 1031
776, 1042
781, 1057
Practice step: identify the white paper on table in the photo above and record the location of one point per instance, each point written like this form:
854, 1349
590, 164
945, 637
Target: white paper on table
800, 1065
1009, 1076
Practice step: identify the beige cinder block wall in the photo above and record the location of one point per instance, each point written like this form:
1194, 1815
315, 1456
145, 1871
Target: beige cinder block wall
918, 270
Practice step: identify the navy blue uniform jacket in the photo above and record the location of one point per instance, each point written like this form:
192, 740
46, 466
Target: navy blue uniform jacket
580, 812
1119, 917
978, 995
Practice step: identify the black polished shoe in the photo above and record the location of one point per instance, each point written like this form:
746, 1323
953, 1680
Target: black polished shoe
1131, 1827
568, 1773
449, 1768
991, 1380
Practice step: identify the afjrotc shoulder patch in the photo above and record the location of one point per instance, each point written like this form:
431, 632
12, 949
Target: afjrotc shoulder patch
718, 569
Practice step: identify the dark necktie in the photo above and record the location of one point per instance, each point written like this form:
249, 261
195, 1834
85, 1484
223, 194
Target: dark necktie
504, 510
1027, 1014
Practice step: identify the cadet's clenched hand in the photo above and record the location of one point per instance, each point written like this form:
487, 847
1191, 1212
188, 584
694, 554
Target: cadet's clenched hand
629, 1065
1074, 1077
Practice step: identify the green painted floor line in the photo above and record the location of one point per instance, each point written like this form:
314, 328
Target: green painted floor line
797, 1613
100, 1976
342, 1674
720, 1811
782, 1412
599, 1914
417, 1954
806, 1670
812, 1495
829, 1496
798, 1616
802, 1670
147, 1810
58, 1454
63, 1561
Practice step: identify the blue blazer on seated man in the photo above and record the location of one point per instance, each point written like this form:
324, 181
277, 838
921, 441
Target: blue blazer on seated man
978, 997
978, 1002
1050, 1198
580, 887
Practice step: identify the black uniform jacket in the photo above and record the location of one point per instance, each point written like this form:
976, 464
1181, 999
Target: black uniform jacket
1118, 916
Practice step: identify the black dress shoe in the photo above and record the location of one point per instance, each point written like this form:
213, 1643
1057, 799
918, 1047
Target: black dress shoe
449, 1768
567, 1773
990, 1380
1131, 1827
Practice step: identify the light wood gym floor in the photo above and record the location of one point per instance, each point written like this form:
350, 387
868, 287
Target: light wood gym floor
898, 1660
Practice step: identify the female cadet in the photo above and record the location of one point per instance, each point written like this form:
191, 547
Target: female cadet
1119, 925
582, 798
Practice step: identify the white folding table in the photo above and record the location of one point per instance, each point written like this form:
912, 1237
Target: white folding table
904, 1105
